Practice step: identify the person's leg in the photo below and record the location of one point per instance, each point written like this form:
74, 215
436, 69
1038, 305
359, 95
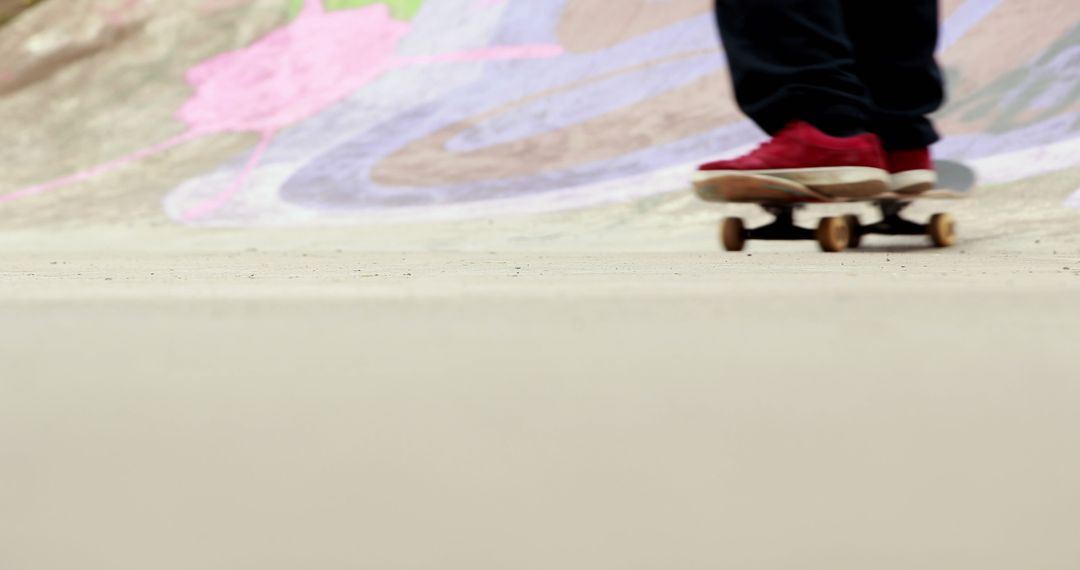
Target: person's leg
894, 43
791, 60
792, 66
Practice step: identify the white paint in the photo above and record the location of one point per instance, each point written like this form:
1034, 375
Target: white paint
1012, 166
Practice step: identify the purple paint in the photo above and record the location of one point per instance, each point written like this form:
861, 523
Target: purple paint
581, 86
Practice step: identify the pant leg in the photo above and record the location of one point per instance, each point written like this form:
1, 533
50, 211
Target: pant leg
894, 43
792, 60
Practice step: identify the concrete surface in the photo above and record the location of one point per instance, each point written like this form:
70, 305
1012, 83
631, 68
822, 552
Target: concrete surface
236, 350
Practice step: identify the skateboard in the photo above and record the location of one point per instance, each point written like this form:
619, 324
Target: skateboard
782, 198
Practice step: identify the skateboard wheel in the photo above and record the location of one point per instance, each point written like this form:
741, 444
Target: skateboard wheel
733, 234
942, 230
833, 234
854, 229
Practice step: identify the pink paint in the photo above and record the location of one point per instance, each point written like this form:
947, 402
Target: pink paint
292, 74
214, 202
295, 72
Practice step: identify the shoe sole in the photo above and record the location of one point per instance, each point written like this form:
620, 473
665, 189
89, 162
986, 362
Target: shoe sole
845, 182
756, 189
914, 181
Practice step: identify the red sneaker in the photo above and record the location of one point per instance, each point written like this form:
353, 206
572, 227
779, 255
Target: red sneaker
836, 166
912, 171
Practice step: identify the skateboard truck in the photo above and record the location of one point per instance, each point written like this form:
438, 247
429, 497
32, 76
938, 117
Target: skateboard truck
832, 234
941, 228
835, 234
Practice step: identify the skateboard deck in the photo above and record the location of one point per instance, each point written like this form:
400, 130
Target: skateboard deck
756, 189
762, 189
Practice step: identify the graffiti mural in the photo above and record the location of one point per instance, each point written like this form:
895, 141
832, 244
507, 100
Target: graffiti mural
370, 110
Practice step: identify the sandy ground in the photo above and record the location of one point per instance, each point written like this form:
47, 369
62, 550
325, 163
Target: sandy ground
598, 389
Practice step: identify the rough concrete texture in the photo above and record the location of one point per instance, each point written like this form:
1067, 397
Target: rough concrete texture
420, 285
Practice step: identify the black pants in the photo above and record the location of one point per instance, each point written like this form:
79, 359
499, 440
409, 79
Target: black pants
845, 66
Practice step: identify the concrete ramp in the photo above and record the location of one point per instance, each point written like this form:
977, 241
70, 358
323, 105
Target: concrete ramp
245, 113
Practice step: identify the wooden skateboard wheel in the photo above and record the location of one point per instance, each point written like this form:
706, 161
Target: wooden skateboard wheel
833, 234
854, 225
942, 230
733, 234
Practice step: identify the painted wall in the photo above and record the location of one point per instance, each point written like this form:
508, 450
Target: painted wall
369, 111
